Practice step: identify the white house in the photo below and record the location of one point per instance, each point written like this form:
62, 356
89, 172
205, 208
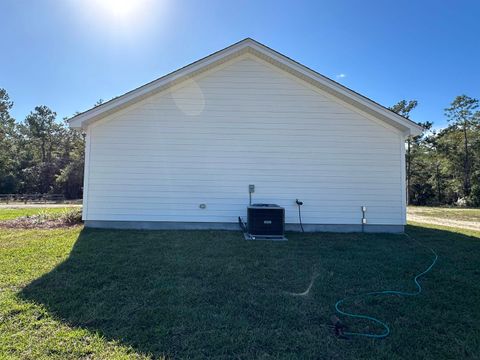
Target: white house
181, 151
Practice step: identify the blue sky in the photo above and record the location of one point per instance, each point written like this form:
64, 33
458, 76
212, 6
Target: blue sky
67, 54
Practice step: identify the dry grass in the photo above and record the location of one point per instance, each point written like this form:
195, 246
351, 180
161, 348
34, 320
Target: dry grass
453, 217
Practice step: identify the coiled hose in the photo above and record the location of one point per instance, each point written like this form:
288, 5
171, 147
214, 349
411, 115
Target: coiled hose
384, 292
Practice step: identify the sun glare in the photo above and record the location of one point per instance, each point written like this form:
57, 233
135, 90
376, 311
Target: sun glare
121, 9
123, 20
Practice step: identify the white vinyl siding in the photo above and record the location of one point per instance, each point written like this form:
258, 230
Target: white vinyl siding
205, 140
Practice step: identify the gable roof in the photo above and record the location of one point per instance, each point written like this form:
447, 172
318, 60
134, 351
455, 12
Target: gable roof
247, 45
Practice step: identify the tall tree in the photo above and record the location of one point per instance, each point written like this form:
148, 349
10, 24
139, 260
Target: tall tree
403, 108
41, 128
7, 144
42, 137
6, 120
464, 116
69, 180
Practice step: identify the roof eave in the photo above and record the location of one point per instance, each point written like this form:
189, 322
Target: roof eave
409, 127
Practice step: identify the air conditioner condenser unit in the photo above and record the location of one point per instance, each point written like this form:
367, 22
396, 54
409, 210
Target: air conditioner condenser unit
266, 221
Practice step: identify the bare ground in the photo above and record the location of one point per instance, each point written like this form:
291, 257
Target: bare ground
459, 218
34, 222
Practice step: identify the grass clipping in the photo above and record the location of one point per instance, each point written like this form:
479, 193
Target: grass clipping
45, 220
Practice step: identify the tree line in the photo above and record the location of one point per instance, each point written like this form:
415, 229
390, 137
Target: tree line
39, 154
443, 166
43, 155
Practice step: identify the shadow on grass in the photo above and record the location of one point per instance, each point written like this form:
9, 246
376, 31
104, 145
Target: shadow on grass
202, 294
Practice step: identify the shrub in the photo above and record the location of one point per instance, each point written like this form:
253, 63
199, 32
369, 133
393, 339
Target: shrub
72, 216
474, 198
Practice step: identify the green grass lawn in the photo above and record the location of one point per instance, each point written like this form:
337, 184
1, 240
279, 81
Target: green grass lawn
9, 213
86, 293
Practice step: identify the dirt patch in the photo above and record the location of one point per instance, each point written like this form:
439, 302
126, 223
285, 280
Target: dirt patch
471, 225
44, 221
28, 222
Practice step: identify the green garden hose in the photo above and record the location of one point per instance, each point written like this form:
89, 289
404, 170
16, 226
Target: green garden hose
384, 292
